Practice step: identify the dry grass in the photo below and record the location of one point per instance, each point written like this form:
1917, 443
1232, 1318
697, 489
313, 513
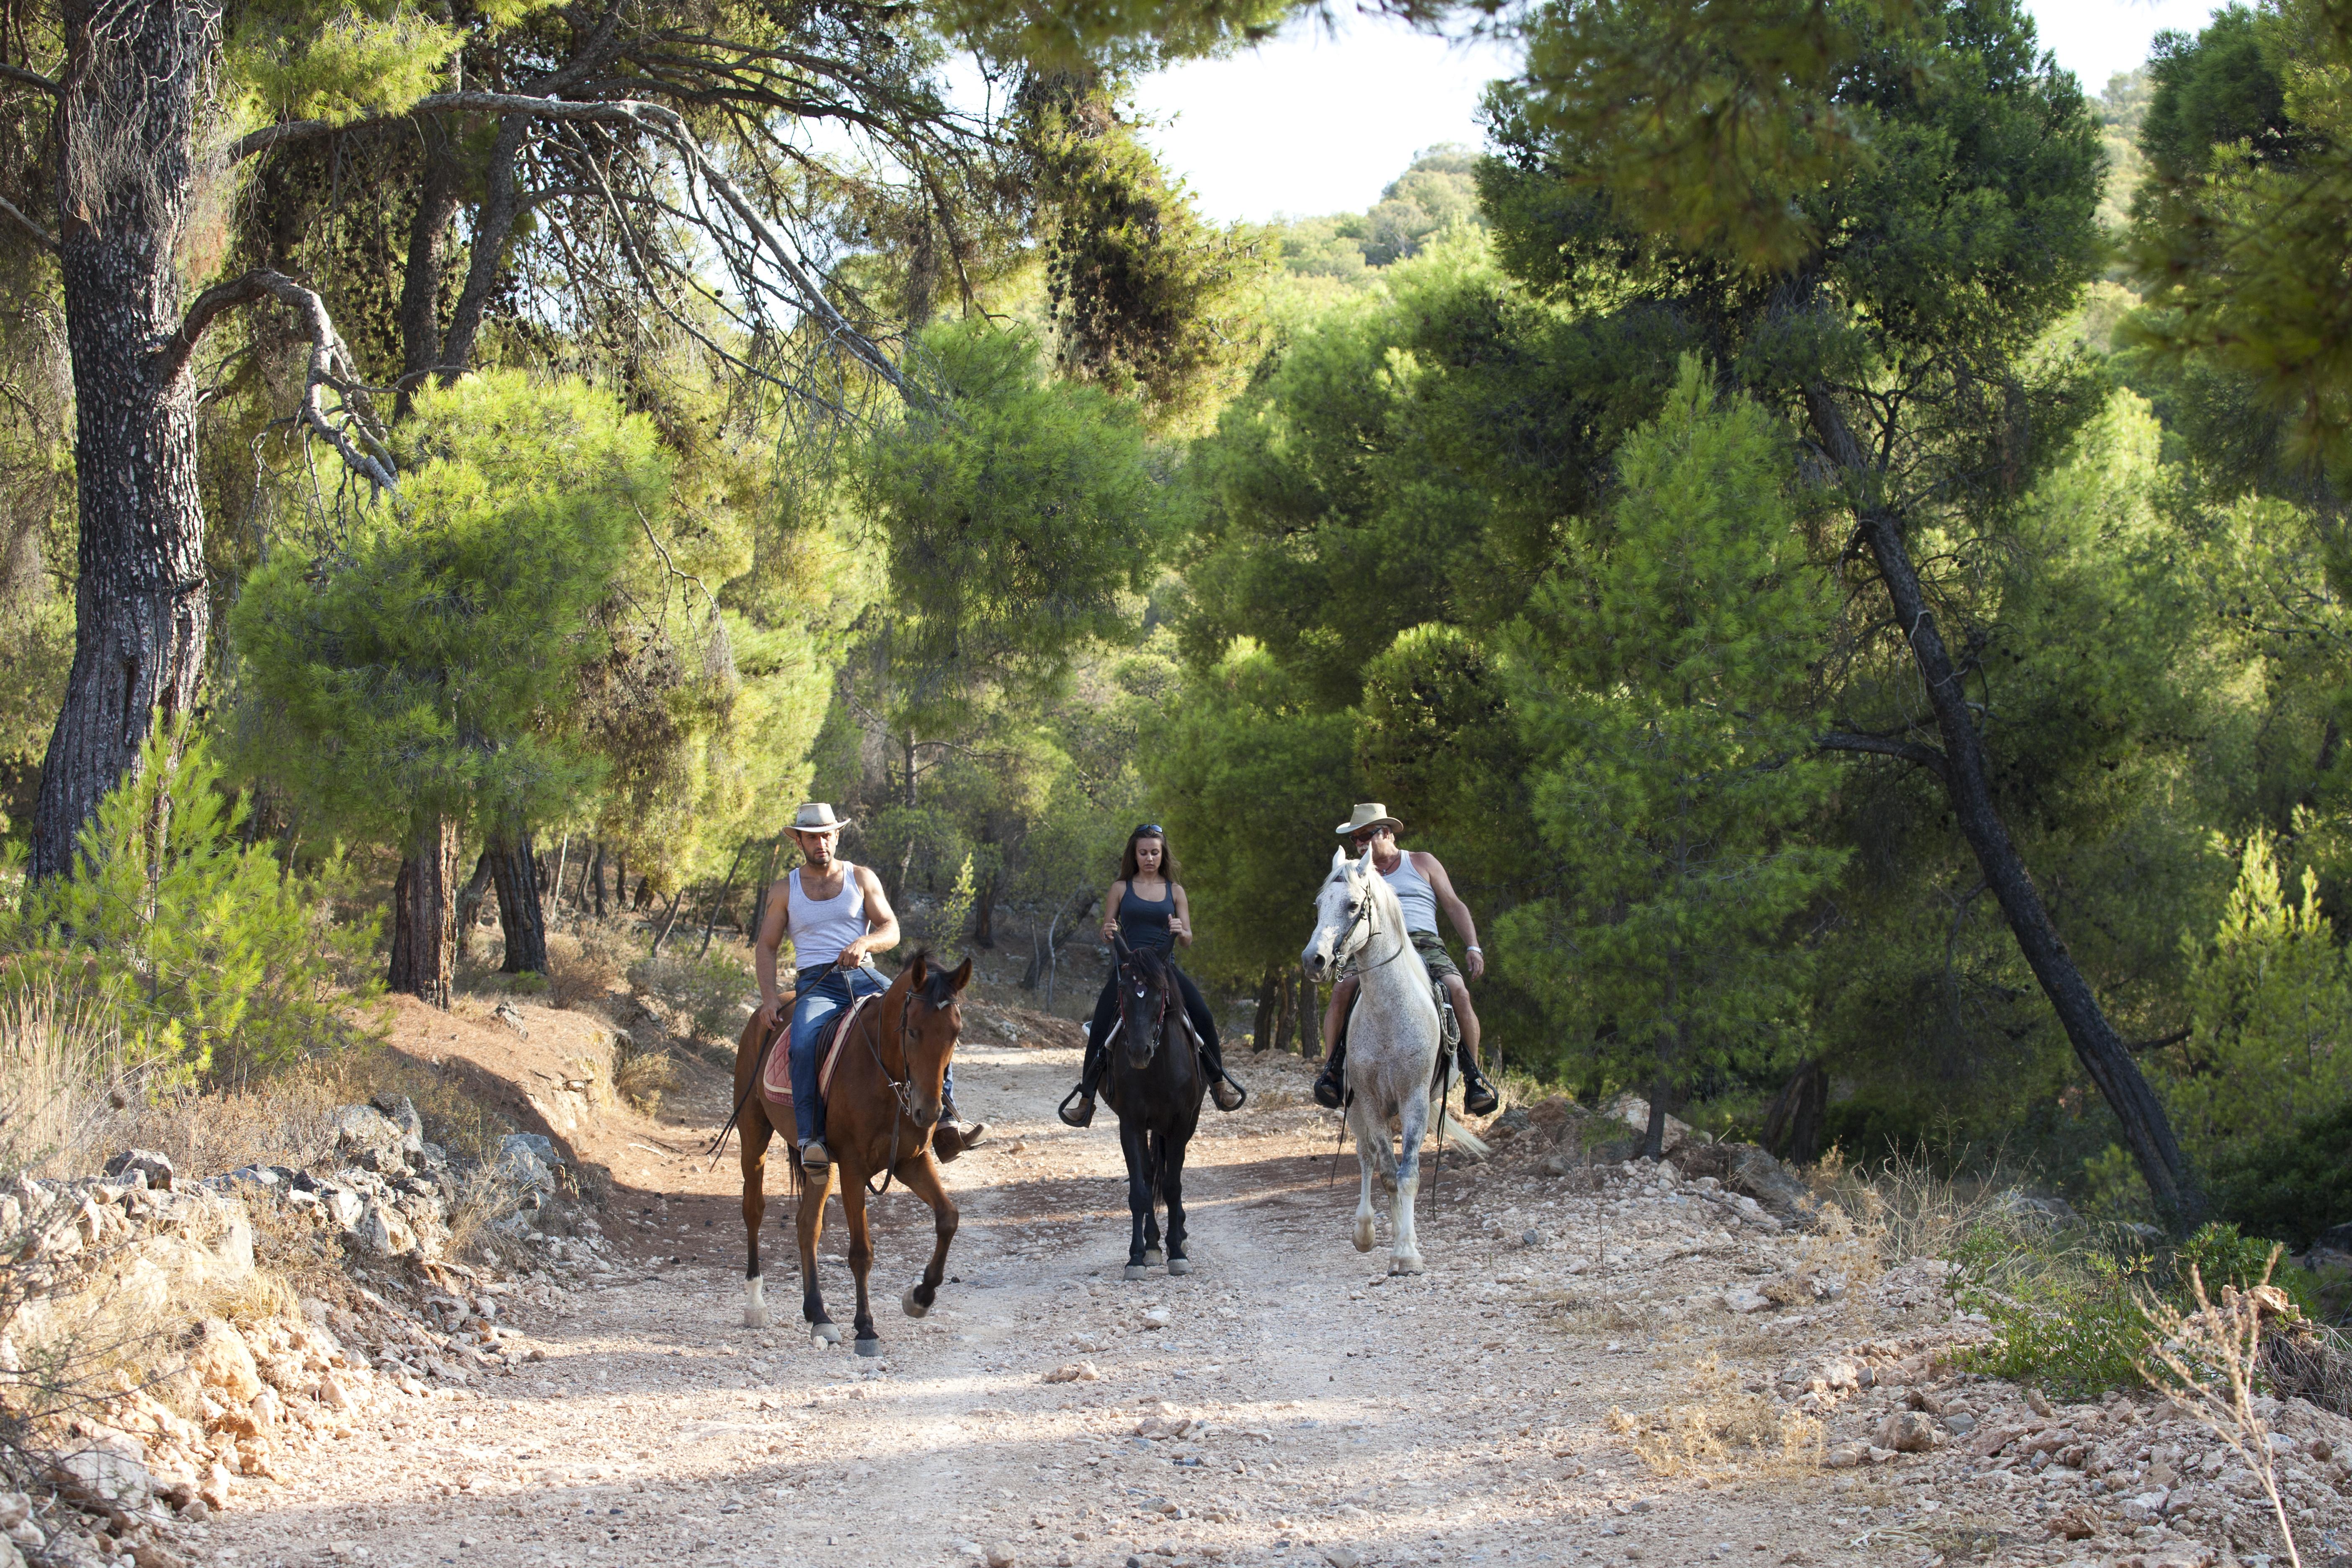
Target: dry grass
586, 963
63, 1086
640, 1076
1723, 1426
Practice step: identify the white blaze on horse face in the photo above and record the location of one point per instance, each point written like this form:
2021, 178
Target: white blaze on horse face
1337, 910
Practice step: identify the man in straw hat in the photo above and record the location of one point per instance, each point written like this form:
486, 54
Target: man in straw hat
838, 917
1422, 887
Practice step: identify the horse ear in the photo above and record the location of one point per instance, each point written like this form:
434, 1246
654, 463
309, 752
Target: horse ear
1338, 859
962, 975
917, 970
1364, 866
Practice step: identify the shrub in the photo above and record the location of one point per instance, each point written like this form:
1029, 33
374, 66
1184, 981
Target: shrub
707, 992
2291, 1185
210, 956
2070, 1309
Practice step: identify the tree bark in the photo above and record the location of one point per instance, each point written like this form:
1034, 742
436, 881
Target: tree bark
420, 290
1968, 783
1793, 1123
596, 880
519, 914
983, 916
720, 902
424, 915
127, 116
470, 901
1269, 1006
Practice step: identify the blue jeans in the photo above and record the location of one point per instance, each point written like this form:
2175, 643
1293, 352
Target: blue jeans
823, 994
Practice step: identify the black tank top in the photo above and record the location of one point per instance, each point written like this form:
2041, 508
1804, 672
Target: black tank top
1143, 922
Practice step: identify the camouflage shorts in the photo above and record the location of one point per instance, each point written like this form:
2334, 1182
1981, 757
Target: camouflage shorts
1432, 948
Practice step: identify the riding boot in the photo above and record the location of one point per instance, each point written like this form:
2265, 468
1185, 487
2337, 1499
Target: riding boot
1330, 1084
951, 1138
1078, 1108
1478, 1093
1227, 1093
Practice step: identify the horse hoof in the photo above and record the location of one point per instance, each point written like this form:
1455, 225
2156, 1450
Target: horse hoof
914, 1308
1153, 1257
1180, 1266
1364, 1235
1135, 1271
824, 1333
755, 1317
871, 1345
1404, 1266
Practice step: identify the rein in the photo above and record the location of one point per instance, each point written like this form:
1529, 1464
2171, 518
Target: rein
901, 1090
1159, 1019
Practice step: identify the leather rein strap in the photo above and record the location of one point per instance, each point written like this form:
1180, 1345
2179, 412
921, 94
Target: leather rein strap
901, 1089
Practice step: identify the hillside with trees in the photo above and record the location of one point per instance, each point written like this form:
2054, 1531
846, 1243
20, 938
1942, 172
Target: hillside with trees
1852, 585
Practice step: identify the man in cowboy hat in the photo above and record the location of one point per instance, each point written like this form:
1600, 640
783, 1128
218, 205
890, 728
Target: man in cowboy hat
1422, 887
838, 917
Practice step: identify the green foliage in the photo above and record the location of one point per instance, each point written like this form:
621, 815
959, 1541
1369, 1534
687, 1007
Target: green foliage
420, 668
2290, 1183
209, 956
1247, 771
2238, 233
2271, 1001
1437, 192
1147, 301
1019, 512
2067, 1309
305, 61
1661, 680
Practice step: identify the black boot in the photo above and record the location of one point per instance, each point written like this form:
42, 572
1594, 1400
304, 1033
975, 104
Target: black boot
1090, 1073
1478, 1095
1330, 1085
1228, 1094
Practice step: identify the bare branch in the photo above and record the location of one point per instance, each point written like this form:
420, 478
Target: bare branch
330, 361
1927, 757
42, 237
32, 78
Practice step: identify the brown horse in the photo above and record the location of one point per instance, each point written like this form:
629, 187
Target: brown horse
880, 1113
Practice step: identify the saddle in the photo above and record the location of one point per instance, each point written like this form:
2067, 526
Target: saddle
776, 1072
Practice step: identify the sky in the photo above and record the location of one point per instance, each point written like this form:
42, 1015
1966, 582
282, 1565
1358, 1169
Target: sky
1316, 123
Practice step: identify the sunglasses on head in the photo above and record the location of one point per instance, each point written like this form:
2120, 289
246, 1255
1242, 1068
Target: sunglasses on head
1150, 830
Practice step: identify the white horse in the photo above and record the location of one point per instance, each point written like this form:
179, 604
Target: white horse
1393, 1041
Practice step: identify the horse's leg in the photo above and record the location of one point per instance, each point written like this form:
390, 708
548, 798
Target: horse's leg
1155, 1156
1359, 1117
1404, 1249
922, 1179
861, 1256
815, 1188
1172, 1187
1137, 1147
755, 1132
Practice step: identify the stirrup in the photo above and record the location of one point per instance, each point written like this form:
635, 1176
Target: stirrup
1479, 1095
1328, 1092
1085, 1115
1219, 1085
815, 1155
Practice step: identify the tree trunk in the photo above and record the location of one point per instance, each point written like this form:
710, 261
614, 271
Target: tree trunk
525, 924
720, 902
470, 901
983, 916
424, 915
420, 291
132, 76
1967, 781
1269, 1007
1793, 1122
596, 879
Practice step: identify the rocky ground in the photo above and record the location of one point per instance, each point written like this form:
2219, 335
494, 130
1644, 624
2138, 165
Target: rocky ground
1615, 1364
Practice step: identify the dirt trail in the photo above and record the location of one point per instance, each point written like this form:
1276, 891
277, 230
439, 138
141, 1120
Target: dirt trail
1339, 1417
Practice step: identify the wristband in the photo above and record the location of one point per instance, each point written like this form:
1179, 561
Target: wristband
1473, 947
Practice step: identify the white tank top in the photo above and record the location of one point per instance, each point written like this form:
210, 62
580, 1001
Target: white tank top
820, 928
1413, 891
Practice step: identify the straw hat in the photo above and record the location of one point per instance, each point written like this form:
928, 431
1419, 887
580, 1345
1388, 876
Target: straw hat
816, 816
1368, 813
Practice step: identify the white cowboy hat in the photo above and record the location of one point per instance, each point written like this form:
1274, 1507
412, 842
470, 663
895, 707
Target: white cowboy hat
1368, 813
816, 816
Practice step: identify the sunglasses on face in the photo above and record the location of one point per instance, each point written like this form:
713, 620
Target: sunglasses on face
1370, 833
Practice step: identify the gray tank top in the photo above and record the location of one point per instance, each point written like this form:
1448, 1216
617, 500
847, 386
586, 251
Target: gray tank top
1413, 891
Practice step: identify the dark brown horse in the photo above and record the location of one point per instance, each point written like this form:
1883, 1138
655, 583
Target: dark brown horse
880, 1113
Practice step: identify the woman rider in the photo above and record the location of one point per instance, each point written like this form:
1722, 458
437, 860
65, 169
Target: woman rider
1146, 908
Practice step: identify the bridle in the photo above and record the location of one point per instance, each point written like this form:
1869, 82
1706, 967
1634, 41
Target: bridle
901, 1089
1347, 943
1128, 963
